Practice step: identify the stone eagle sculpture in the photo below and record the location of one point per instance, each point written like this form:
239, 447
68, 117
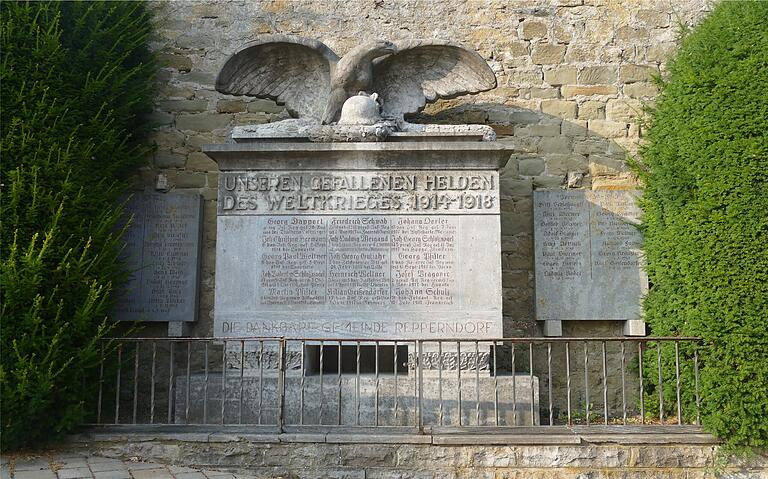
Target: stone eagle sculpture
313, 82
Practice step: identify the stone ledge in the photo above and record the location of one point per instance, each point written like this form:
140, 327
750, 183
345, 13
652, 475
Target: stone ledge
353, 156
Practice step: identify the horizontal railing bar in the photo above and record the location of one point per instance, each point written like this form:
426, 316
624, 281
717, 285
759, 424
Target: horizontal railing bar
443, 340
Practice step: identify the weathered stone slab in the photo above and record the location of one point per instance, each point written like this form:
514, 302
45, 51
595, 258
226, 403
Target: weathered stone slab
355, 253
364, 400
588, 255
378, 276
162, 249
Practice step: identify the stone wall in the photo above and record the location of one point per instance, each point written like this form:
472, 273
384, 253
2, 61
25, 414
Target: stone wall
573, 78
377, 459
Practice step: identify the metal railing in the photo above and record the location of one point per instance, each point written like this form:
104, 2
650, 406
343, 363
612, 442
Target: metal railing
418, 384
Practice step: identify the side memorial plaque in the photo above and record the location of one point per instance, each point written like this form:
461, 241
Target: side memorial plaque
162, 251
588, 257
358, 254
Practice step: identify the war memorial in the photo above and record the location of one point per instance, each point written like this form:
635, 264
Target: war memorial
359, 251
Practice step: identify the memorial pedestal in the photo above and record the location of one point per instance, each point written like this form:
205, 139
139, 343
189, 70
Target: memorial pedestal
349, 400
395, 241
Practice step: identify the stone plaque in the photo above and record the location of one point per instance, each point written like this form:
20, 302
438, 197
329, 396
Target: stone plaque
588, 255
162, 249
358, 254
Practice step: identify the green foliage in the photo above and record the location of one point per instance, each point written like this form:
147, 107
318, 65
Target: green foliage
705, 167
75, 79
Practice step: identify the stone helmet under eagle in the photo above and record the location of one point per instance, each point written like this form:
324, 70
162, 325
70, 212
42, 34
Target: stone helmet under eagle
313, 82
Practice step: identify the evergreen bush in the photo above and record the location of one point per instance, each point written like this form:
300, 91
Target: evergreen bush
705, 168
75, 78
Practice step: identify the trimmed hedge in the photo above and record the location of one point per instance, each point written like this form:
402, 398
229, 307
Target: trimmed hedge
705, 167
75, 78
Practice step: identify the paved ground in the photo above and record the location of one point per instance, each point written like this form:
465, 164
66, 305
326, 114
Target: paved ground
66, 465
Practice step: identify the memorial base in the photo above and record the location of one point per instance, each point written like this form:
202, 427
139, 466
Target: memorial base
364, 400
553, 328
634, 328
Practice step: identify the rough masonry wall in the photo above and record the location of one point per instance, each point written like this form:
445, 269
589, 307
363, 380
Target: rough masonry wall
573, 77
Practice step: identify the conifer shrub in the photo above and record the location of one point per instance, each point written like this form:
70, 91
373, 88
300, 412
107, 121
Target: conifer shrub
705, 169
75, 79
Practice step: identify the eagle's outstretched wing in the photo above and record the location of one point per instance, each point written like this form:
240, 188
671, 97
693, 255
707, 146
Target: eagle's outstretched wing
423, 71
293, 71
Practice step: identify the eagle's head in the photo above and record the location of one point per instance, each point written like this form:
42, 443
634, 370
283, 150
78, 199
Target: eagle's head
382, 48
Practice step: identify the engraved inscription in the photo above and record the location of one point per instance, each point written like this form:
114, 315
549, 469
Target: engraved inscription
161, 250
358, 254
354, 261
323, 192
588, 255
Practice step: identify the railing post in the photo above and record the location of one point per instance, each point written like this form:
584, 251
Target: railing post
420, 379
281, 385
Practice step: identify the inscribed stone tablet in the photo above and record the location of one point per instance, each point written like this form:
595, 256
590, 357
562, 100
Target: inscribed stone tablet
163, 252
328, 254
588, 255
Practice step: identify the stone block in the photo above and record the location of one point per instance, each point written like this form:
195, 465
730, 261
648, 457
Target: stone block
264, 106
608, 128
523, 117
190, 179
623, 110
522, 76
513, 50
641, 90
660, 52
562, 33
572, 91
198, 161
516, 279
555, 145
636, 73
561, 164
258, 118
196, 142
583, 52
159, 118
203, 79
591, 110
627, 34
176, 92
533, 29
203, 121
531, 167
653, 18
548, 93
538, 130
598, 75
625, 182
574, 128
165, 139
230, 106
549, 181
183, 105
512, 187
176, 62
547, 54
169, 159
605, 166
559, 108
560, 75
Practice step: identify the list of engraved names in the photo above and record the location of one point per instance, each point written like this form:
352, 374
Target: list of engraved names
353, 261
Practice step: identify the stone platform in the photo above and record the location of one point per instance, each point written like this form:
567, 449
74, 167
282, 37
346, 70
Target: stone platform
595, 452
